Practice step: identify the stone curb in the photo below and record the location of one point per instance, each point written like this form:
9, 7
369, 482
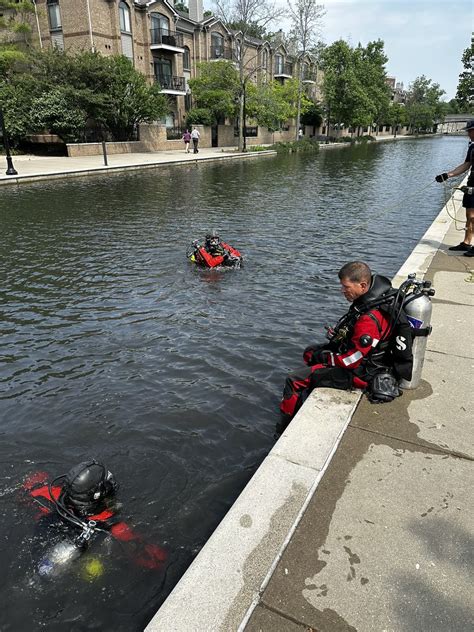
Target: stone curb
223, 585
92, 171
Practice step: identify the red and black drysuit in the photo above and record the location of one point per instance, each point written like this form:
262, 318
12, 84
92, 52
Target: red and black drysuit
145, 555
223, 255
355, 353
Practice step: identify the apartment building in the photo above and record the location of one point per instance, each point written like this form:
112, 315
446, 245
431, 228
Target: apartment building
165, 44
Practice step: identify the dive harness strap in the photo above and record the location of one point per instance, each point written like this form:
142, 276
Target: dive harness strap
423, 332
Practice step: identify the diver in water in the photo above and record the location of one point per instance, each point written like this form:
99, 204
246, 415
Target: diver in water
75, 509
214, 252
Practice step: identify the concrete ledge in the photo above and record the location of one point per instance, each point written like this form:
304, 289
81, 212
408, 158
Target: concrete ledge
222, 587
93, 171
227, 575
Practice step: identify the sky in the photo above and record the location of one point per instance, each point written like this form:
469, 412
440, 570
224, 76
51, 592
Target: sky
422, 37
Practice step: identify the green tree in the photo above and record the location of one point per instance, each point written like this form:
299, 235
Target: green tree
423, 106
465, 90
396, 116
15, 33
249, 14
57, 112
216, 89
370, 71
272, 104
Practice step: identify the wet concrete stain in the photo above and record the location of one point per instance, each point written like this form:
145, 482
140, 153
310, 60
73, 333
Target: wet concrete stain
371, 426
246, 521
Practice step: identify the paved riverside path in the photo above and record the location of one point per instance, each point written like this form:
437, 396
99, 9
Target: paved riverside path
32, 168
387, 541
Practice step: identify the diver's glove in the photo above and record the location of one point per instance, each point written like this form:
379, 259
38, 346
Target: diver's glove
442, 177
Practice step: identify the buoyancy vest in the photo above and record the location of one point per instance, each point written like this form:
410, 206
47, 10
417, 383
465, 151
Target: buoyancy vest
212, 260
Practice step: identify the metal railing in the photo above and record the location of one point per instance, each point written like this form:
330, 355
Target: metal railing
175, 133
166, 37
168, 82
250, 132
283, 69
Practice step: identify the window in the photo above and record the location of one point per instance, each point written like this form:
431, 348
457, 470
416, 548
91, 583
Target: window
264, 59
54, 15
161, 22
278, 64
124, 12
217, 45
163, 72
187, 58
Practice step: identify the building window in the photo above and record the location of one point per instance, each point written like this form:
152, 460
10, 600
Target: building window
125, 23
217, 45
161, 22
264, 59
54, 15
55, 25
163, 72
126, 31
187, 59
278, 64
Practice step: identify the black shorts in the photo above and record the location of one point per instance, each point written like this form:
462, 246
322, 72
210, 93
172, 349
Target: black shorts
468, 200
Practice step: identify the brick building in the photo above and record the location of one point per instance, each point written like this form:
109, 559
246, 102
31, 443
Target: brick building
165, 44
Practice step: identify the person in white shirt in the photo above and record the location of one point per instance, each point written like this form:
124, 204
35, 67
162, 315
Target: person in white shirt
195, 135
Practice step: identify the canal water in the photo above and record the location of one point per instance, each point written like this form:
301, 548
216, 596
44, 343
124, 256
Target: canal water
114, 346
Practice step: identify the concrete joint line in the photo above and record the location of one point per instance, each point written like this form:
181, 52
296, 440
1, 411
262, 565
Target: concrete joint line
283, 615
450, 355
443, 451
297, 463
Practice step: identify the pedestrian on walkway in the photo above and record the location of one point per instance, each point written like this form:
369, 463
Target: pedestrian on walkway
466, 247
195, 135
187, 140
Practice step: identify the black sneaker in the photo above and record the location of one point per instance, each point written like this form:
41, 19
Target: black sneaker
470, 252
461, 246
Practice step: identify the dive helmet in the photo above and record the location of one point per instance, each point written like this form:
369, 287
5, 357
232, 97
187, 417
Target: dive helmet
88, 483
212, 239
383, 388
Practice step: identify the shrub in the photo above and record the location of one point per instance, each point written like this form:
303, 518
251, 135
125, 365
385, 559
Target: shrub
199, 116
302, 145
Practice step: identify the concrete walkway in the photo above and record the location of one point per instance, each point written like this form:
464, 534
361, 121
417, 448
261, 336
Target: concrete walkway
41, 168
387, 541
357, 520
34, 168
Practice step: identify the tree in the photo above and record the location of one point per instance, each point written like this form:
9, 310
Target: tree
306, 16
339, 82
216, 89
465, 91
370, 71
396, 116
423, 105
249, 14
272, 104
15, 31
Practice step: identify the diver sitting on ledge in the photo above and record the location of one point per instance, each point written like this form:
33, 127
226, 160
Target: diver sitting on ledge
214, 252
361, 351
82, 502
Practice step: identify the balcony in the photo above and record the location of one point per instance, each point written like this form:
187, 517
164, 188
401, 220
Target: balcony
222, 52
283, 70
164, 39
171, 85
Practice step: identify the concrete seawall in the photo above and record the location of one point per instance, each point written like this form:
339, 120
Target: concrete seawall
225, 587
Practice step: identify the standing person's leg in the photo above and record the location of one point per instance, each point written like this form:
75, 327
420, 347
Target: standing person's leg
469, 235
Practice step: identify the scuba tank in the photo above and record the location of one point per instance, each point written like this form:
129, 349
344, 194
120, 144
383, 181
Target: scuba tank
60, 557
418, 308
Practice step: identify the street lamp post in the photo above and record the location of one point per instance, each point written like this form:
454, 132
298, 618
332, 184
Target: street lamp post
10, 168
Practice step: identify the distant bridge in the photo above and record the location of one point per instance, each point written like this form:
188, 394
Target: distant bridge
454, 123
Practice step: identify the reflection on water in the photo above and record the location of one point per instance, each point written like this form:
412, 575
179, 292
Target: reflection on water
114, 346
